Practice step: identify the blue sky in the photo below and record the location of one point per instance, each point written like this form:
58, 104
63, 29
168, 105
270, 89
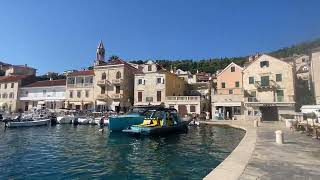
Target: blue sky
58, 35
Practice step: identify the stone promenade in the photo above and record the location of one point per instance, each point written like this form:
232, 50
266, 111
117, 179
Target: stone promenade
298, 158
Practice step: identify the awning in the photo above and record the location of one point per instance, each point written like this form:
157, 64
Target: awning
3, 104
228, 104
115, 104
76, 103
41, 102
101, 103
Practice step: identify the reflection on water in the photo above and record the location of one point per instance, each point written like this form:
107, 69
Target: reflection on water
68, 152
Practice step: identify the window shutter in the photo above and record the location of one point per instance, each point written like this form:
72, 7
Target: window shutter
162, 80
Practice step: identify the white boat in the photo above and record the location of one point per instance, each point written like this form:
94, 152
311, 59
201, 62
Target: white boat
96, 121
65, 119
41, 122
82, 120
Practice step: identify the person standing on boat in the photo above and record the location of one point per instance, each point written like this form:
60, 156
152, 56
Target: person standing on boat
101, 123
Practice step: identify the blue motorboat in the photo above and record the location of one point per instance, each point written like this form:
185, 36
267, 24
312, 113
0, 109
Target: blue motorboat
136, 115
161, 122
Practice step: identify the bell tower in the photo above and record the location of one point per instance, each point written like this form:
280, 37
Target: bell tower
100, 54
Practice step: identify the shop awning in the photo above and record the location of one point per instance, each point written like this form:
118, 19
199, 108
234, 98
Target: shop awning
101, 103
41, 102
228, 104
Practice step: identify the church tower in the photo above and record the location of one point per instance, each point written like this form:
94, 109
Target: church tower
100, 54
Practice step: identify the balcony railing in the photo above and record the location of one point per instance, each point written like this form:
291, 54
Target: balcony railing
271, 84
103, 82
271, 99
117, 96
79, 85
183, 98
117, 81
103, 96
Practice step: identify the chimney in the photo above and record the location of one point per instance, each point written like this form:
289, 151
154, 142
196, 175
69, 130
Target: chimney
250, 58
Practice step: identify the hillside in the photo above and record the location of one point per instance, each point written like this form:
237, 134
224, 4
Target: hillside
212, 65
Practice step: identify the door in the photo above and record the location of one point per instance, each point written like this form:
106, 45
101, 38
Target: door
26, 106
269, 113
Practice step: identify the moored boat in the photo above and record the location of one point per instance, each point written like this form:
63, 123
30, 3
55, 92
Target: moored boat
161, 122
30, 123
135, 116
65, 119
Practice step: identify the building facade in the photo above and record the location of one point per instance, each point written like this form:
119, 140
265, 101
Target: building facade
49, 94
315, 69
9, 91
227, 99
269, 88
113, 84
80, 90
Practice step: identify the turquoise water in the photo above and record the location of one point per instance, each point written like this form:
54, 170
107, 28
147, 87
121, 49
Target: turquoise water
82, 152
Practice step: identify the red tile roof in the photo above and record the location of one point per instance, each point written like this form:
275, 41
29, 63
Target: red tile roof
59, 82
13, 78
82, 73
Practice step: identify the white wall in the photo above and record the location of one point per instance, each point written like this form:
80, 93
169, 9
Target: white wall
36, 93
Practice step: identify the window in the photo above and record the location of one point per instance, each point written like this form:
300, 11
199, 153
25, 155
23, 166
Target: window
264, 80
4, 95
303, 59
71, 80
12, 85
26, 93
79, 94
139, 96
230, 91
159, 96
117, 89
264, 64
278, 77
103, 76
237, 84
140, 81
103, 90
280, 97
159, 80
5, 86
11, 95
0, 86
71, 94
223, 85
233, 69
149, 67
118, 75
44, 92
192, 108
79, 80
253, 93
251, 80
87, 93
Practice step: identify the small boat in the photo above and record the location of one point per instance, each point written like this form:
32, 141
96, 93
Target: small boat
29, 123
65, 119
135, 116
161, 122
81, 121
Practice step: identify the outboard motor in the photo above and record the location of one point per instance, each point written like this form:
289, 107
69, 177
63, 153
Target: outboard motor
75, 121
53, 120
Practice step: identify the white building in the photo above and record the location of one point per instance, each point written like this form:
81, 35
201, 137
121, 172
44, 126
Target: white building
48, 94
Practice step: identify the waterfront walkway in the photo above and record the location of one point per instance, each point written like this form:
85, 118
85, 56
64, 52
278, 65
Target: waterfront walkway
259, 157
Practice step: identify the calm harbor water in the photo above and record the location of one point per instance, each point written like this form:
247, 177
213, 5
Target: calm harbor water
82, 152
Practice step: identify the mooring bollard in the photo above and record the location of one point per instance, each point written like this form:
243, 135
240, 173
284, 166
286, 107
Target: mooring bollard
279, 137
255, 123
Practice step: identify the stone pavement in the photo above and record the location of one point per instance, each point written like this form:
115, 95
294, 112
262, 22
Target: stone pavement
259, 157
297, 158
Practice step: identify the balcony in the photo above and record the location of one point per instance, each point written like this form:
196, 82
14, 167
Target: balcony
271, 101
103, 96
183, 98
117, 96
265, 85
103, 82
79, 85
117, 81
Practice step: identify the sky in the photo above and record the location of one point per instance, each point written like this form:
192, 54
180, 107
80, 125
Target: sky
58, 35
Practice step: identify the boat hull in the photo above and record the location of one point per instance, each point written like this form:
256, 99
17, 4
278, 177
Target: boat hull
123, 122
42, 122
65, 120
158, 130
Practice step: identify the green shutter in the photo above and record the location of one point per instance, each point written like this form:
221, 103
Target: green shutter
278, 77
264, 80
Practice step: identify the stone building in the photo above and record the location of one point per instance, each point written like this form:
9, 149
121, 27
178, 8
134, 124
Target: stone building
113, 84
19, 70
315, 73
269, 88
49, 94
227, 100
79, 90
9, 91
